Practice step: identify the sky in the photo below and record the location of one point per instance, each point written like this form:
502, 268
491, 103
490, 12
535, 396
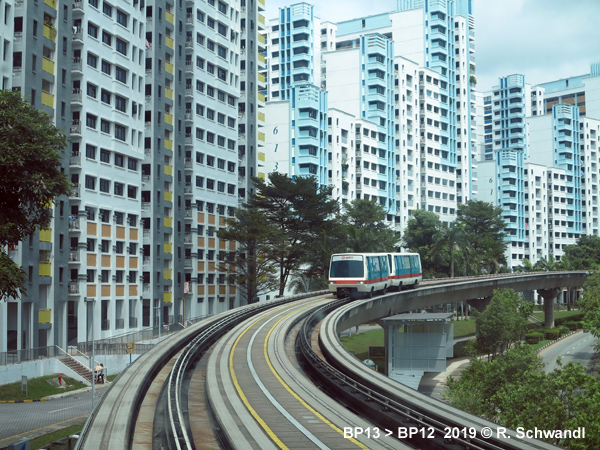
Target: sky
545, 40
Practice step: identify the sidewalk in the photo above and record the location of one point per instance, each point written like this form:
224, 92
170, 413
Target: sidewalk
433, 383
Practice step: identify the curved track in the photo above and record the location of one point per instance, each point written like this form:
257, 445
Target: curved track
249, 370
262, 399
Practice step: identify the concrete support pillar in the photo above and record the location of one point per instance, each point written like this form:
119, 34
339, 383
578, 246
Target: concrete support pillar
479, 303
549, 295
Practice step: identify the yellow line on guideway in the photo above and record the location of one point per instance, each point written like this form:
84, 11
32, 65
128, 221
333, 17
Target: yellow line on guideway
259, 419
296, 396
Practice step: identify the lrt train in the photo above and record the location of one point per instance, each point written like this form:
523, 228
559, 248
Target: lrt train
364, 274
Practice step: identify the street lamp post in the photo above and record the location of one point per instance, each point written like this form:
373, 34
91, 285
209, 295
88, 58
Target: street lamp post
157, 308
93, 302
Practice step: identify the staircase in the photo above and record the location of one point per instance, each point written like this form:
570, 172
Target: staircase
77, 367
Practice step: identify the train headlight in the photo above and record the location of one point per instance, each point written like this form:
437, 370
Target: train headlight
360, 282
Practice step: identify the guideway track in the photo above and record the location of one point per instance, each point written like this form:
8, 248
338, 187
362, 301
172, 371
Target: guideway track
403, 406
263, 401
112, 424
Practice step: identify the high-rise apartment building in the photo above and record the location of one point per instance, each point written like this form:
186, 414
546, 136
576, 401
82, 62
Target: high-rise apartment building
163, 106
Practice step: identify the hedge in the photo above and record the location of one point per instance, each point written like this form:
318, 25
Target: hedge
533, 338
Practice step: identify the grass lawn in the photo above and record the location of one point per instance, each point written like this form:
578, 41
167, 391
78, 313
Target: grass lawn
38, 388
49, 438
540, 344
558, 314
360, 343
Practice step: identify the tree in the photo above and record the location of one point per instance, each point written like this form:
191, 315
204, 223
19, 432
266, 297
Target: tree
590, 304
484, 225
254, 273
584, 255
500, 324
422, 232
30, 164
301, 210
451, 242
366, 229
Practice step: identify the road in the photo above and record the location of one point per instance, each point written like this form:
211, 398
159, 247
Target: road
579, 347
44, 417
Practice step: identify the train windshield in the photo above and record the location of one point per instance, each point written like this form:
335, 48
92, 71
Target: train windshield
347, 267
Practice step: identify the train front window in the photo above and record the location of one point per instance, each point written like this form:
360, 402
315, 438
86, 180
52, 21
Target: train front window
347, 269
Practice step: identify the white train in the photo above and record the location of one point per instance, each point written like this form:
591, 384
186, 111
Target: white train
359, 274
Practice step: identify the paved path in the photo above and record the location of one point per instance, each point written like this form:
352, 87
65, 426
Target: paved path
44, 417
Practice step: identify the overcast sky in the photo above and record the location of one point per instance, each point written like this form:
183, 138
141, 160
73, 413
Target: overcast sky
544, 40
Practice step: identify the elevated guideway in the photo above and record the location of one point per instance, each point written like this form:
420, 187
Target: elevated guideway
116, 419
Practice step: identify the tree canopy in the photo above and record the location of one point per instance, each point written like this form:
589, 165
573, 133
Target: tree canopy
249, 265
366, 229
421, 234
584, 255
301, 210
484, 225
30, 164
500, 324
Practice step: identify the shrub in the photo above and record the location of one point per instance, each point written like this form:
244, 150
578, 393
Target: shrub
572, 325
533, 338
564, 329
562, 320
551, 334
464, 348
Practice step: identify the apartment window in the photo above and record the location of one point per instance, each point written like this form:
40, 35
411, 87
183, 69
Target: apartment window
210, 137
119, 188
131, 192
210, 161
120, 132
104, 126
92, 90
107, 9
90, 182
90, 151
200, 182
120, 103
210, 114
94, 3
122, 47
122, 18
231, 122
104, 156
119, 160
121, 75
210, 184
132, 164
210, 91
90, 120
200, 158
106, 67
231, 189
104, 185
221, 141
105, 96
92, 60
106, 38
104, 274
92, 30
221, 186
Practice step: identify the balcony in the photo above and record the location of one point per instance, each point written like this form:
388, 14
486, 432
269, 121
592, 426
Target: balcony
75, 159
74, 288
77, 65
133, 322
76, 96
168, 196
75, 191
50, 32
169, 93
44, 315
168, 223
169, 169
170, 18
48, 99
169, 42
169, 144
169, 67
78, 6
74, 257
48, 65
45, 269
74, 224
169, 118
